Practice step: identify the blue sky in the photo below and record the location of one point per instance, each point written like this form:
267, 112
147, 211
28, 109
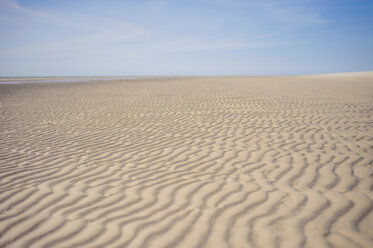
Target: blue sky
184, 37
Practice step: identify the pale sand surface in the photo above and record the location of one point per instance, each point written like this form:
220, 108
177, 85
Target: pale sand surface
189, 162
23, 80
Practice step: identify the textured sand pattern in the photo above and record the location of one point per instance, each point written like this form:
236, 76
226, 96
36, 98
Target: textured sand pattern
191, 162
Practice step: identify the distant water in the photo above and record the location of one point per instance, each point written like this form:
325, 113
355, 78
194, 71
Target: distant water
62, 80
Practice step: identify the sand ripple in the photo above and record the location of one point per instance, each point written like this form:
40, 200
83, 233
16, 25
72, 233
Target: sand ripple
198, 162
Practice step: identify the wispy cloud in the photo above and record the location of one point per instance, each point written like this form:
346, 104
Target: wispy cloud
288, 12
198, 45
76, 33
97, 32
84, 34
296, 17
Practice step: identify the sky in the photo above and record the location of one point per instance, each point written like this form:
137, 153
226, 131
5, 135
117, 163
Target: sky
184, 37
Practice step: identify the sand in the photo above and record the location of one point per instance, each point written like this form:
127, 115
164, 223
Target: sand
188, 162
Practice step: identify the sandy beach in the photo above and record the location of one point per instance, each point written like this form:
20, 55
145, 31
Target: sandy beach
188, 162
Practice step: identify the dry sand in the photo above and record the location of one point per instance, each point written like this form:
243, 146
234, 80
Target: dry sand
188, 162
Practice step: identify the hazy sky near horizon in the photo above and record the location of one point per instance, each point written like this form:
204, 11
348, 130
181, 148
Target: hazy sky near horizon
184, 37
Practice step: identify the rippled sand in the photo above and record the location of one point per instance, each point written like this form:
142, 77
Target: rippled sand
188, 162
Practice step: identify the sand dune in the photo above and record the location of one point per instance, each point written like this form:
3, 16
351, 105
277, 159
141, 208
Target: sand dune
188, 162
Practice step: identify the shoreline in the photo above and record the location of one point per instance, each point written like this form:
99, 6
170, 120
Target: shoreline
68, 79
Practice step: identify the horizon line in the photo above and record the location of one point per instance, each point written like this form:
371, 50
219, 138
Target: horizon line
187, 75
